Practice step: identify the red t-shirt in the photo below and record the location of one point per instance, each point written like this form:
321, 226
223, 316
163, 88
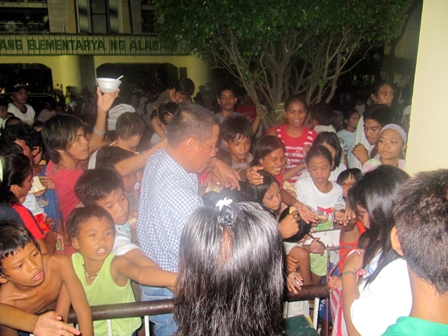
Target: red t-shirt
64, 182
29, 221
249, 111
347, 247
294, 146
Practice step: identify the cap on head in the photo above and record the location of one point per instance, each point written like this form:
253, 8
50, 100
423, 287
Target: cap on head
17, 87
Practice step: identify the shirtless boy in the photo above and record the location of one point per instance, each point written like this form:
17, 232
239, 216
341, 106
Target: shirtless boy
34, 282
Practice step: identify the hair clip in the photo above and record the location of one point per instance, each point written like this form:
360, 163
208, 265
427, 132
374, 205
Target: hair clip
225, 217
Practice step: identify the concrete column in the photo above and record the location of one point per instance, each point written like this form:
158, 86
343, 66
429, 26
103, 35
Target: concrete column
199, 71
67, 72
428, 134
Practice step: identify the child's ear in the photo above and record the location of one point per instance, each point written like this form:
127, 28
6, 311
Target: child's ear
395, 242
14, 188
3, 279
75, 243
373, 97
226, 144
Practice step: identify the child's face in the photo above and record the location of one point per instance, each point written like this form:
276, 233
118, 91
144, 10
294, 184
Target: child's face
3, 112
320, 169
372, 131
385, 95
238, 148
363, 216
95, 239
24, 268
227, 100
390, 144
116, 204
79, 149
21, 191
295, 114
272, 198
347, 185
353, 120
129, 182
273, 162
179, 97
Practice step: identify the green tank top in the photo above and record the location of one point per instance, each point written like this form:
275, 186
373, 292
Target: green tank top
103, 290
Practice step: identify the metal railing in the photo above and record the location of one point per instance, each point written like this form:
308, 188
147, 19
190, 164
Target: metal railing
157, 307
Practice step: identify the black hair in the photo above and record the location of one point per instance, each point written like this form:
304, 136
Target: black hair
322, 113
13, 237
3, 102
265, 146
316, 151
353, 172
421, 217
16, 169
225, 257
12, 121
165, 109
382, 114
9, 147
293, 99
377, 85
184, 86
348, 111
257, 192
332, 139
128, 125
96, 184
81, 215
58, 133
191, 121
108, 156
226, 88
22, 132
376, 191
236, 128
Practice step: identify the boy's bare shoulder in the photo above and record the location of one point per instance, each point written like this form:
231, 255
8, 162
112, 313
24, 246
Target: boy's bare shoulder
57, 262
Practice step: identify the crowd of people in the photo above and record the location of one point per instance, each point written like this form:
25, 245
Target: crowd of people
208, 209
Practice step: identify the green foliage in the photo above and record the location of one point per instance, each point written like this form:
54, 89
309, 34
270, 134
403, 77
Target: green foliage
262, 41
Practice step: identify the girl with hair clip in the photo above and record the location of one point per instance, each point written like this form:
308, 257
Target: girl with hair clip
384, 290
230, 272
16, 181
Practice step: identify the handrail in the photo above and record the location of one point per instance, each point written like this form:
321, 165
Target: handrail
156, 307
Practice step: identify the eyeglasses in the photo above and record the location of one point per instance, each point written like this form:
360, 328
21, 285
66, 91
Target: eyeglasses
215, 149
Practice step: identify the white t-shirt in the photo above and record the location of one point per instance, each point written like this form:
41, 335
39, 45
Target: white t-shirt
382, 301
27, 117
308, 194
122, 243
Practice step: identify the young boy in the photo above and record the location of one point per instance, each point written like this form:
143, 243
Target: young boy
104, 276
34, 282
237, 138
421, 236
104, 187
165, 113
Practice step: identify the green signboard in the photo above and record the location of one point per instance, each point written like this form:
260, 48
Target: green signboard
80, 45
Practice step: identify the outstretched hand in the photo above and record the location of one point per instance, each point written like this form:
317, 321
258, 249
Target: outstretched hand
50, 324
253, 176
294, 282
227, 176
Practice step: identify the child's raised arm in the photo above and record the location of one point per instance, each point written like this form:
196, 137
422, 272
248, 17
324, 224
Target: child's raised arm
123, 269
104, 103
72, 292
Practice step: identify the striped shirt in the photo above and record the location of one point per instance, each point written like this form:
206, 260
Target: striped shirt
294, 146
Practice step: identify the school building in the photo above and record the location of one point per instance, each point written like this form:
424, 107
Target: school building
75, 37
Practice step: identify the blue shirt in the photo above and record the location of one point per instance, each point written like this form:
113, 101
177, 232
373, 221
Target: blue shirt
168, 197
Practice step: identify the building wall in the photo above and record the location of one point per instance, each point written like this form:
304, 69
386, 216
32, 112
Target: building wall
428, 133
